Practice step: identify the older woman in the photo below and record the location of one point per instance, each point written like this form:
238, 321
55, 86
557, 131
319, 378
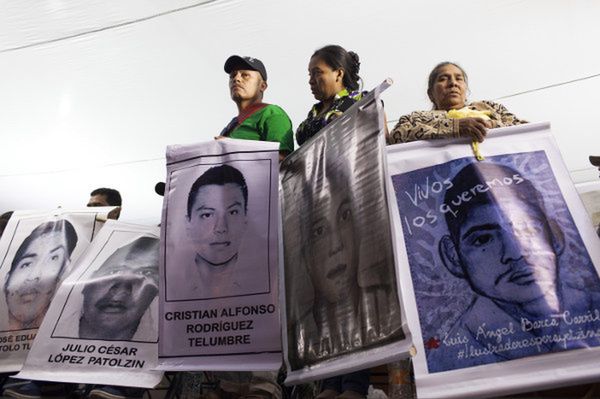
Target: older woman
451, 116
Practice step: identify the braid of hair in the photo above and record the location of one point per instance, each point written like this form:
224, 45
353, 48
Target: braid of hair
352, 71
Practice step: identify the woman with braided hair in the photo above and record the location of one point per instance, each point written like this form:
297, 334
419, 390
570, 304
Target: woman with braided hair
334, 82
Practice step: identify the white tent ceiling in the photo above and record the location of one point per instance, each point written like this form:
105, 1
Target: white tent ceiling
92, 92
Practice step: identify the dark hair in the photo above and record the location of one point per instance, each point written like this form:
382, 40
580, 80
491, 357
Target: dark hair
219, 175
58, 226
336, 57
435, 72
4, 218
487, 183
113, 197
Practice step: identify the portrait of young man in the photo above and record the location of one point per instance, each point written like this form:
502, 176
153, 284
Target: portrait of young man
502, 241
119, 293
115, 299
215, 229
35, 271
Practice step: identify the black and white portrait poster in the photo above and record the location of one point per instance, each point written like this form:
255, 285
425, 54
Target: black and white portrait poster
219, 258
501, 285
37, 251
102, 326
342, 305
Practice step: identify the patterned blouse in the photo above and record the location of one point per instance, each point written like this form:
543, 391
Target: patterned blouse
436, 124
315, 122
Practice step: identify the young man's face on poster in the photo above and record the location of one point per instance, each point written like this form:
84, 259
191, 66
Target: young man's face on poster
332, 256
31, 284
121, 291
217, 222
507, 253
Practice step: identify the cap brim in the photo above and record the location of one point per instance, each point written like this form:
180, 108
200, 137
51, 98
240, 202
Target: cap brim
234, 61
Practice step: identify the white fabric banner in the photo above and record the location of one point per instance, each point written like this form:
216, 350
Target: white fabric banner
342, 305
37, 251
501, 279
219, 261
102, 325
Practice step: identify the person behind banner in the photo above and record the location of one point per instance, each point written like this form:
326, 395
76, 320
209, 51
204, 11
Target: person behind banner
503, 242
255, 120
334, 82
35, 271
452, 116
106, 197
216, 224
332, 259
119, 293
110, 197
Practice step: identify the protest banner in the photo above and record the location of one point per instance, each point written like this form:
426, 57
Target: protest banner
102, 325
342, 306
501, 285
37, 251
219, 258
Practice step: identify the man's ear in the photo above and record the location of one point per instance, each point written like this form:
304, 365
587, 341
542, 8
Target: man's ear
115, 213
449, 256
558, 237
263, 86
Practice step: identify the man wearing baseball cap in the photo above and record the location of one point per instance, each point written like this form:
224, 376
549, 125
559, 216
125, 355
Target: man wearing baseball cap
255, 120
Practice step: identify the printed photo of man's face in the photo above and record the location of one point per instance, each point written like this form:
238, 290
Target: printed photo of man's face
507, 252
120, 292
35, 272
217, 219
502, 241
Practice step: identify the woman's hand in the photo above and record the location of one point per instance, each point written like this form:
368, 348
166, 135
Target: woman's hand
473, 127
